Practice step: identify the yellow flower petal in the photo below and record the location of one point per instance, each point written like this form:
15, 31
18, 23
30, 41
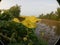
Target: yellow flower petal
25, 38
16, 20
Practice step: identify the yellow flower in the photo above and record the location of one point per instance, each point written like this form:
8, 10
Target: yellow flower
28, 23
25, 38
16, 20
32, 18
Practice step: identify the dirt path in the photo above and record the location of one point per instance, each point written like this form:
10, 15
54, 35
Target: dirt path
50, 22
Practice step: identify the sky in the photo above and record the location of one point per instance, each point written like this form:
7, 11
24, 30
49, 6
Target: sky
31, 7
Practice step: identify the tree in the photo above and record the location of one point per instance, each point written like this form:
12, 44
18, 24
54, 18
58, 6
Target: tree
58, 13
15, 11
41, 16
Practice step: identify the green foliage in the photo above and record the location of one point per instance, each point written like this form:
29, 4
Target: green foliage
16, 33
52, 16
15, 11
58, 13
6, 15
10, 13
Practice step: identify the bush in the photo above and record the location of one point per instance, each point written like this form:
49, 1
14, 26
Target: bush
15, 33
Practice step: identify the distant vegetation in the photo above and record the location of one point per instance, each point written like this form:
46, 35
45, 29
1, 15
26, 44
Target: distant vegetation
52, 15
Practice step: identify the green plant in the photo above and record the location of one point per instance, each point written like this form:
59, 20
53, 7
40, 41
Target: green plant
16, 33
